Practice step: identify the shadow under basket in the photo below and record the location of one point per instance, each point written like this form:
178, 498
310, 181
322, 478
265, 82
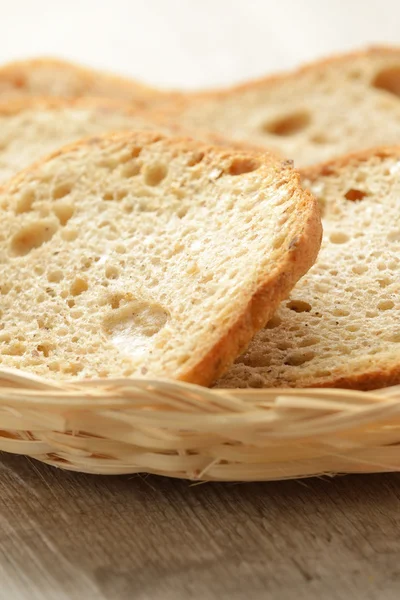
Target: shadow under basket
114, 426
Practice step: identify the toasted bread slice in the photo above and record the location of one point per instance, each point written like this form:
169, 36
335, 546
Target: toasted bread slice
136, 254
340, 326
61, 78
323, 110
31, 128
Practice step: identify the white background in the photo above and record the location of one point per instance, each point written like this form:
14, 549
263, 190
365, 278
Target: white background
193, 43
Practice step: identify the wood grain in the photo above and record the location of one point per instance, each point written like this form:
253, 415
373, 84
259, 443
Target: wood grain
69, 536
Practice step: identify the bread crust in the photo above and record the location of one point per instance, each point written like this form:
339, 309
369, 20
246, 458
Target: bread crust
381, 377
300, 258
272, 287
334, 165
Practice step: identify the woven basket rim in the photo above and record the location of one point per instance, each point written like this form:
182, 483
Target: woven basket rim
127, 425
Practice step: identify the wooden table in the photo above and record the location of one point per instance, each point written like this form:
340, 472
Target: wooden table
69, 536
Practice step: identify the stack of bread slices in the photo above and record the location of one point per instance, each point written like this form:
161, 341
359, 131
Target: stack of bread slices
162, 234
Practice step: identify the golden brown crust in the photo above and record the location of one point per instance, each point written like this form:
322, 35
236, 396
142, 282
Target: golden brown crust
333, 166
275, 288
380, 377
272, 286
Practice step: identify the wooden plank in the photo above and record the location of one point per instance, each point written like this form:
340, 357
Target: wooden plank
70, 536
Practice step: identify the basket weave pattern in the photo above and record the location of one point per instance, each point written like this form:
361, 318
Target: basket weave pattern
182, 430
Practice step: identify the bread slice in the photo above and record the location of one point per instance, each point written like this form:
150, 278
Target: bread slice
60, 78
31, 128
340, 326
137, 254
323, 110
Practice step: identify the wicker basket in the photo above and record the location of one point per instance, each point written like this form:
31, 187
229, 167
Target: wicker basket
182, 430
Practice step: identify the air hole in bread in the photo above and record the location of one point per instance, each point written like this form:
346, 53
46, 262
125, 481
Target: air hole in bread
385, 305
340, 312
25, 202
63, 211
338, 238
44, 348
319, 138
239, 166
112, 272
371, 314
388, 80
384, 282
32, 236
120, 248
61, 191
5, 288
284, 346
131, 169
359, 269
121, 194
55, 276
195, 159
182, 211
135, 151
394, 236
288, 125
299, 306
116, 298
72, 368
78, 286
154, 174
355, 195
299, 358
131, 327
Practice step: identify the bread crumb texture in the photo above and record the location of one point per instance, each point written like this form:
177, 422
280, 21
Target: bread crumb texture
31, 129
36, 128
136, 255
341, 324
